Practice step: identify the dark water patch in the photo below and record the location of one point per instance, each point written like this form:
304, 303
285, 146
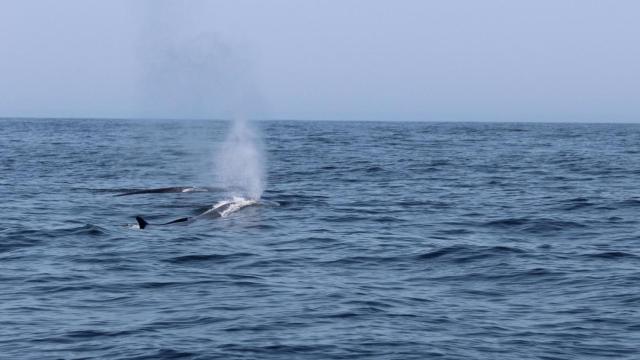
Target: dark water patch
484, 293
322, 139
510, 222
338, 315
605, 207
343, 218
364, 260
173, 323
374, 169
110, 299
464, 253
88, 229
46, 278
54, 289
301, 174
362, 209
576, 204
422, 203
169, 284
279, 350
456, 232
549, 225
422, 169
90, 334
251, 284
106, 259
168, 354
274, 265
29, 235
245, 277
272, 326
72, 337
14, 242
634, 328
613, 255
263, 227
501, 275
214, 258
629, 203
388, 219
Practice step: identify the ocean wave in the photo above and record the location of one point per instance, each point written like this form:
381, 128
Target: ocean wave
612, 255
629, 203
199, 258
433, 244
16, 241
467, 253
362, 259
533, 225
575, 204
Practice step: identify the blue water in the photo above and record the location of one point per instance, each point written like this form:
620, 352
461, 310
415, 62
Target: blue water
372, 240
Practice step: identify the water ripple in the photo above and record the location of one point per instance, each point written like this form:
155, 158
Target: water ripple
372, 241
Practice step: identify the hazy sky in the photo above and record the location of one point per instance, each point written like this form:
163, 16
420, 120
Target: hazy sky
542, 60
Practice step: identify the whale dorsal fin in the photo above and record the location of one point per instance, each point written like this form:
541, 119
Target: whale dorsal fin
141, 223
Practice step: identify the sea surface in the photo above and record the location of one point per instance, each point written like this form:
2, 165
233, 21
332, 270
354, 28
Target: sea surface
372, 240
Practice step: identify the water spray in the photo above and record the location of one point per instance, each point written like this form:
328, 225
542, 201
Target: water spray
240, 161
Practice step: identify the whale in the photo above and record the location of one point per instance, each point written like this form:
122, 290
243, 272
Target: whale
142, 223
175, 189
221, 209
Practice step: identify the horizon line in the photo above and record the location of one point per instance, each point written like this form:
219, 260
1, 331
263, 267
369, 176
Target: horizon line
3, 118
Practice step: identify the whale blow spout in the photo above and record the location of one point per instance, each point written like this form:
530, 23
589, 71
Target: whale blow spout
240, 161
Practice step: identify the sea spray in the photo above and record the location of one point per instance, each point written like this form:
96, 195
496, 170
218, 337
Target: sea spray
240, 161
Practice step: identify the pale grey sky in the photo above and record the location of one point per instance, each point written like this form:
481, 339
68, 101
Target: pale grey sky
542, 60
